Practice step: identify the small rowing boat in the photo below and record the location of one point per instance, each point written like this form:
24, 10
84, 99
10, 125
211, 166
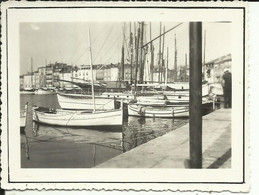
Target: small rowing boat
160, 112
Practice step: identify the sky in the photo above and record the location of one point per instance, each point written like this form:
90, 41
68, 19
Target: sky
50, 42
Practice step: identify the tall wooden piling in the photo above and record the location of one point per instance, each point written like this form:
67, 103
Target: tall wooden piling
195, 82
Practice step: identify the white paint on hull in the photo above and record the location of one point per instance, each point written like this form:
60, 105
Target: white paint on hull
79, 118
163, 112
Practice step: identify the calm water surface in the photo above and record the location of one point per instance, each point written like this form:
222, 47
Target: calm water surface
44, 146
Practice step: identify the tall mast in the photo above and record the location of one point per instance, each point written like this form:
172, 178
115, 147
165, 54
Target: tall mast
122, 55
131, 56
163, 60
175, 61
152, 54
159, 54
166, 70
141, 73
91, 66
137, 48
122, 63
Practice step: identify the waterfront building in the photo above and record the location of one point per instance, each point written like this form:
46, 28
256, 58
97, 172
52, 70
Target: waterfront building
67, 76
28, 81
36, 80
57, 68
21, 82
49, 75
215, 68
42, 76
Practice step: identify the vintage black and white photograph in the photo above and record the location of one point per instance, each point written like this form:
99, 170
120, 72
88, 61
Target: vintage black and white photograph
90, 92
99, 90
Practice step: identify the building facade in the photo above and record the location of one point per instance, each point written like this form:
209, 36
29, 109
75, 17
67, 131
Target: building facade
214, 69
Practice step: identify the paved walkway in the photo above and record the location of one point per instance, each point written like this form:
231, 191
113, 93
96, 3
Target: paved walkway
172, 149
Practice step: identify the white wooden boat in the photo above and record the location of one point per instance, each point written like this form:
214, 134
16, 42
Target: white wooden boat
74, 118
84, 102
23, 116
160, 112
25, 92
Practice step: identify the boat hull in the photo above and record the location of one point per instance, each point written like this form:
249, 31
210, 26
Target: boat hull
43, 92
162, 112
69, 118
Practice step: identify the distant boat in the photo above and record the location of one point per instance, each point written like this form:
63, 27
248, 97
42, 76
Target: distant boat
43, 91
160, 112
72, 118
27, 91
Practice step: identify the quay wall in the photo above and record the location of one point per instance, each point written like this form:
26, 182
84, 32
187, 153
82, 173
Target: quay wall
172, 149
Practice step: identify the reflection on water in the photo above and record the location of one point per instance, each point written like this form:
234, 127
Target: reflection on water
60, 147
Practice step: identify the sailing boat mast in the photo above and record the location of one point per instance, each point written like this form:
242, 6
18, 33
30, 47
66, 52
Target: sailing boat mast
175, 61
122, 54
91, 67
152, 56
163, 60
131, 56
137, 49
166, 70
159, 54
141, 73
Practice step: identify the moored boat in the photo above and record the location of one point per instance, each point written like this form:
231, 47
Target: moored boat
27, 92
161, 112
43, 91
72, 118
84, 102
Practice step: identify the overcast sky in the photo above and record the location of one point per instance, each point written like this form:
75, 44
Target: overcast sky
68, 42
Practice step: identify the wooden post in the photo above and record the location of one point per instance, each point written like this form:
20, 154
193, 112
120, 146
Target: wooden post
195, 83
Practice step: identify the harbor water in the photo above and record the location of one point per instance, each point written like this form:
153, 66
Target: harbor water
44, 146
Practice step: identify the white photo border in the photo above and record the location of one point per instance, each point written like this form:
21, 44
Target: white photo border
13, 177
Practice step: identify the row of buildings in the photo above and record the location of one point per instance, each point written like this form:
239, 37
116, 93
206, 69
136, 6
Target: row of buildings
55, 75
